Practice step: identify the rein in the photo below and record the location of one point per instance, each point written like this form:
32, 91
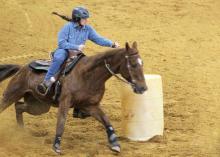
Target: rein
119, 77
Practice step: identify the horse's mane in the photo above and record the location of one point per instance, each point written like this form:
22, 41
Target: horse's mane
99, 58
108, 53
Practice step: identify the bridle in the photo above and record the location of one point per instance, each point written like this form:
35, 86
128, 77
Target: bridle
128, 66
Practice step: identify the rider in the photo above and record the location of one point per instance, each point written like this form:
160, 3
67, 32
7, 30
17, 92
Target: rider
72, 38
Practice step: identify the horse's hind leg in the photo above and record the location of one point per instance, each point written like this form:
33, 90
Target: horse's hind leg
9, 97
30, 105
20, 107
14, 91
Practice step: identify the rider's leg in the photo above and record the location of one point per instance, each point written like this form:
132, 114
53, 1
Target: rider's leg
58, 59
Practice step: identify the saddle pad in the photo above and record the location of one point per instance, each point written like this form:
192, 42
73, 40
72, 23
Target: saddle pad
43, 65
40, 65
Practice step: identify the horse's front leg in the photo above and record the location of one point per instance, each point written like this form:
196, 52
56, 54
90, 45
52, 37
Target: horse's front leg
61, 119
99, 115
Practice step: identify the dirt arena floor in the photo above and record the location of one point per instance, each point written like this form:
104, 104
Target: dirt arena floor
178, 39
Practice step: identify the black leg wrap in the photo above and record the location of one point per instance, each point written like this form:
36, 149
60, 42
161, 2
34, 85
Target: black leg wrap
112, 138
110, 130
57, 141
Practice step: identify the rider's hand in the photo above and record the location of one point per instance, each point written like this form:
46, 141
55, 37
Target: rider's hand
115, 45
81, 47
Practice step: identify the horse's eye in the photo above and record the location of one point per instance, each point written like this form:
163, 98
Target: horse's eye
134, 65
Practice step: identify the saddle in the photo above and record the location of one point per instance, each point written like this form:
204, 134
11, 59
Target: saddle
42, 66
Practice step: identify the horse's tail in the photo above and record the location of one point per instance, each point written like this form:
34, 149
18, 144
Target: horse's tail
7, 70
62, 16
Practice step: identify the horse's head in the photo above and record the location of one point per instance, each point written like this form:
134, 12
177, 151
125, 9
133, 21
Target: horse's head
132, 69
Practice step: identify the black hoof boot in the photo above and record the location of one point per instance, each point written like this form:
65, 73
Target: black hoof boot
56, 145
113, 143
115, 148
113, 140
77, 113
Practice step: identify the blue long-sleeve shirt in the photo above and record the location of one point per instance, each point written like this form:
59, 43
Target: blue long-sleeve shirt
72, 35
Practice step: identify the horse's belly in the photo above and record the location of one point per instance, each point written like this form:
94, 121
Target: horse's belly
88, 99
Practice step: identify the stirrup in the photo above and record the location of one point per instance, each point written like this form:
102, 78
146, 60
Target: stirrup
43, 89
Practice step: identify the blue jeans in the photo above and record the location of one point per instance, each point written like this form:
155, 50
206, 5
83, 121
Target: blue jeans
59, 57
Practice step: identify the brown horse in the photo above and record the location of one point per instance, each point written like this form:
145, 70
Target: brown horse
82, 88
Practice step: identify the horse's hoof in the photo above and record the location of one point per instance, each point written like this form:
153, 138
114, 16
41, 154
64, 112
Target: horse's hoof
116, 149
20, 126
57, 150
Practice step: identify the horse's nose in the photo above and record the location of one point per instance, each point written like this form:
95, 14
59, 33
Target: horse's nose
140, 90
143, 89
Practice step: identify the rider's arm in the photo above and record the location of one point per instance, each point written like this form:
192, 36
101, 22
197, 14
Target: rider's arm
63, 39
98, 39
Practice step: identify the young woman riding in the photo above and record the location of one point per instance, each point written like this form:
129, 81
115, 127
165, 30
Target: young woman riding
72, 38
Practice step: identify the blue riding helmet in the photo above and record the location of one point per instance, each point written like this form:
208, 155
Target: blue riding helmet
80, 13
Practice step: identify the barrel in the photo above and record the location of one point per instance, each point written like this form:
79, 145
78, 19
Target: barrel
142, 114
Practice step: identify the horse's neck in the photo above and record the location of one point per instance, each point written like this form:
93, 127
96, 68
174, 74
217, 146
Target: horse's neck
97, 68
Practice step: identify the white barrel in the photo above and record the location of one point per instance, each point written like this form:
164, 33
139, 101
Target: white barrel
142, 114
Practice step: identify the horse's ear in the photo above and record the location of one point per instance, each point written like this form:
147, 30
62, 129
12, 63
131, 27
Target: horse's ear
127, 46
134, 45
